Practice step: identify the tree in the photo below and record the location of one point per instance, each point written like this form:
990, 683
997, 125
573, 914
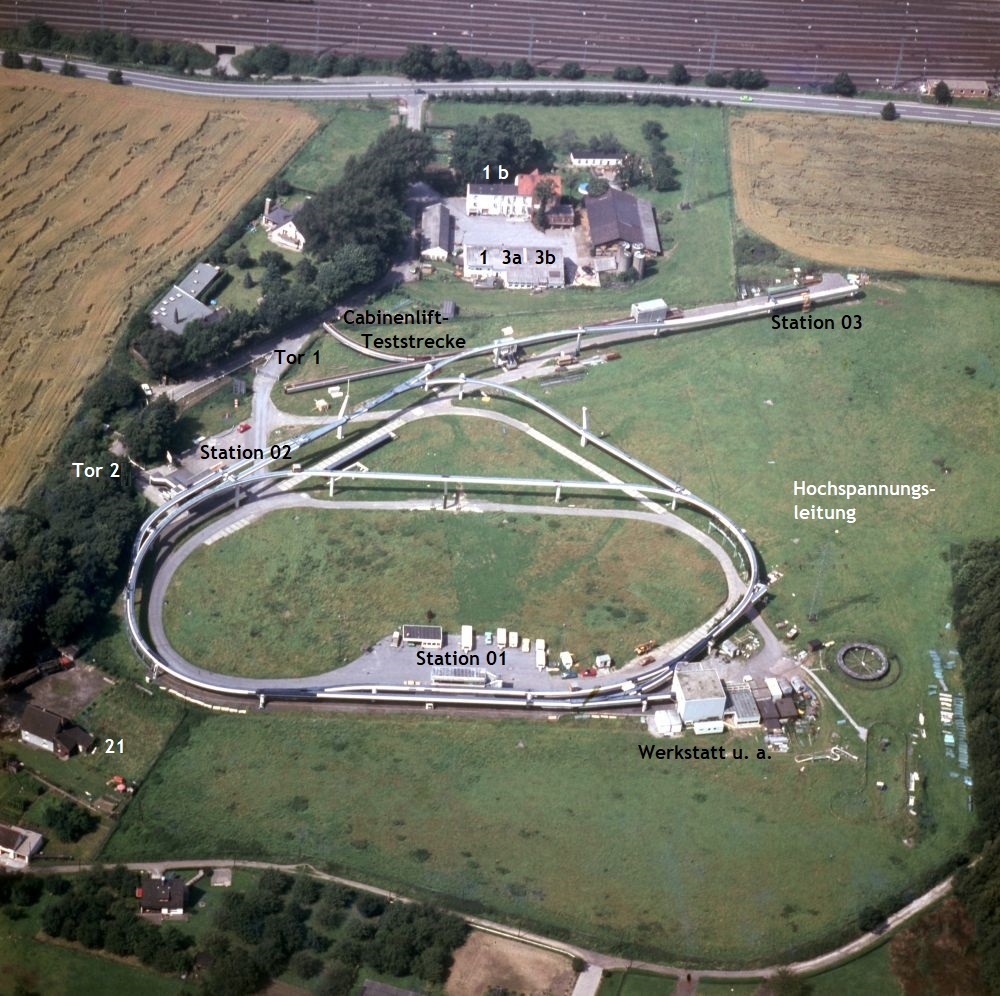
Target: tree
784, 983
678, 74
69, 821
240, 256
417, 62
745, 79
115, 77
597, 187
369, 905
652, 131
889, 112
38, 34
844, 85
870, 918
248, 280
521, 69
306, 965
716, 79
942, 93
503, 140
69, 69
36, 65
629, 172
571, 71
633, 74
449, 64
11, 59
147, 435
337, 980
272, 59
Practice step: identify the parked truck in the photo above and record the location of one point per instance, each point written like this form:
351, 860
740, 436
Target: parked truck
468, 640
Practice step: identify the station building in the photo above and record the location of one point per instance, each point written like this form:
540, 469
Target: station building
425, 637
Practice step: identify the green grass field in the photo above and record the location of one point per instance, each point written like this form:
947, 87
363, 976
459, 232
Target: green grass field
314, 585
346, 129
462, 812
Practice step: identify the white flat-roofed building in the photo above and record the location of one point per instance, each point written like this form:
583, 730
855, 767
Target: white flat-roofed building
700, 695
517, 268
665, 723
426, 637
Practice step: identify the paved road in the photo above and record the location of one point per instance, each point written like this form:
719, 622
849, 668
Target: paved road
392, 88
812, 965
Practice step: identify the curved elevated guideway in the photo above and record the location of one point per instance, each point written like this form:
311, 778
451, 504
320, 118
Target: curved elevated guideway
254, 481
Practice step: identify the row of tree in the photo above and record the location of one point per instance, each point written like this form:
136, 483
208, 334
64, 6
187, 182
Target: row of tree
738, 79
109, 47
976, 618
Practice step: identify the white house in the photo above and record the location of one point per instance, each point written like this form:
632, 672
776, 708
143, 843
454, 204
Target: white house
18, 845
497, 199
279, 223
588, 158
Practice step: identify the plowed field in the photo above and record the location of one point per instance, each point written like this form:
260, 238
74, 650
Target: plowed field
871, 193
105, 193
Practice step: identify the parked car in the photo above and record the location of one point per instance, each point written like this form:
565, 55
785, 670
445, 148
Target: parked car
243, 427
488, 637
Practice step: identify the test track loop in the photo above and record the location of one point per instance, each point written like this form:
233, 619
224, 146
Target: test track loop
253, 476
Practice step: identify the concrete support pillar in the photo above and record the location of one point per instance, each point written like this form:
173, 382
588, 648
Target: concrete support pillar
263, 702
673, 505
237, 503
331, 487
558, 493
583, 422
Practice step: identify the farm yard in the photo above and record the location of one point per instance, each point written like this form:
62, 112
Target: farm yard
103, 202
860, 193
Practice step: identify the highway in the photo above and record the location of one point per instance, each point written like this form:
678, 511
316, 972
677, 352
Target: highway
252, 480
395, 88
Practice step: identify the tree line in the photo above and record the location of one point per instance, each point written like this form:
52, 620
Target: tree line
108, 47
976, 618
63, 549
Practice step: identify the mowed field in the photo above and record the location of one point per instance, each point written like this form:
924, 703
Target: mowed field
592, 586
867, 193
106, 193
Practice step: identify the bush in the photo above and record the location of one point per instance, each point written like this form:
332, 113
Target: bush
69, 69
115, 77
631, 74
844, 85
11, 60
889, 112
571, 71
521, 69
678, 74
716, 79
36, 65
69, 822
